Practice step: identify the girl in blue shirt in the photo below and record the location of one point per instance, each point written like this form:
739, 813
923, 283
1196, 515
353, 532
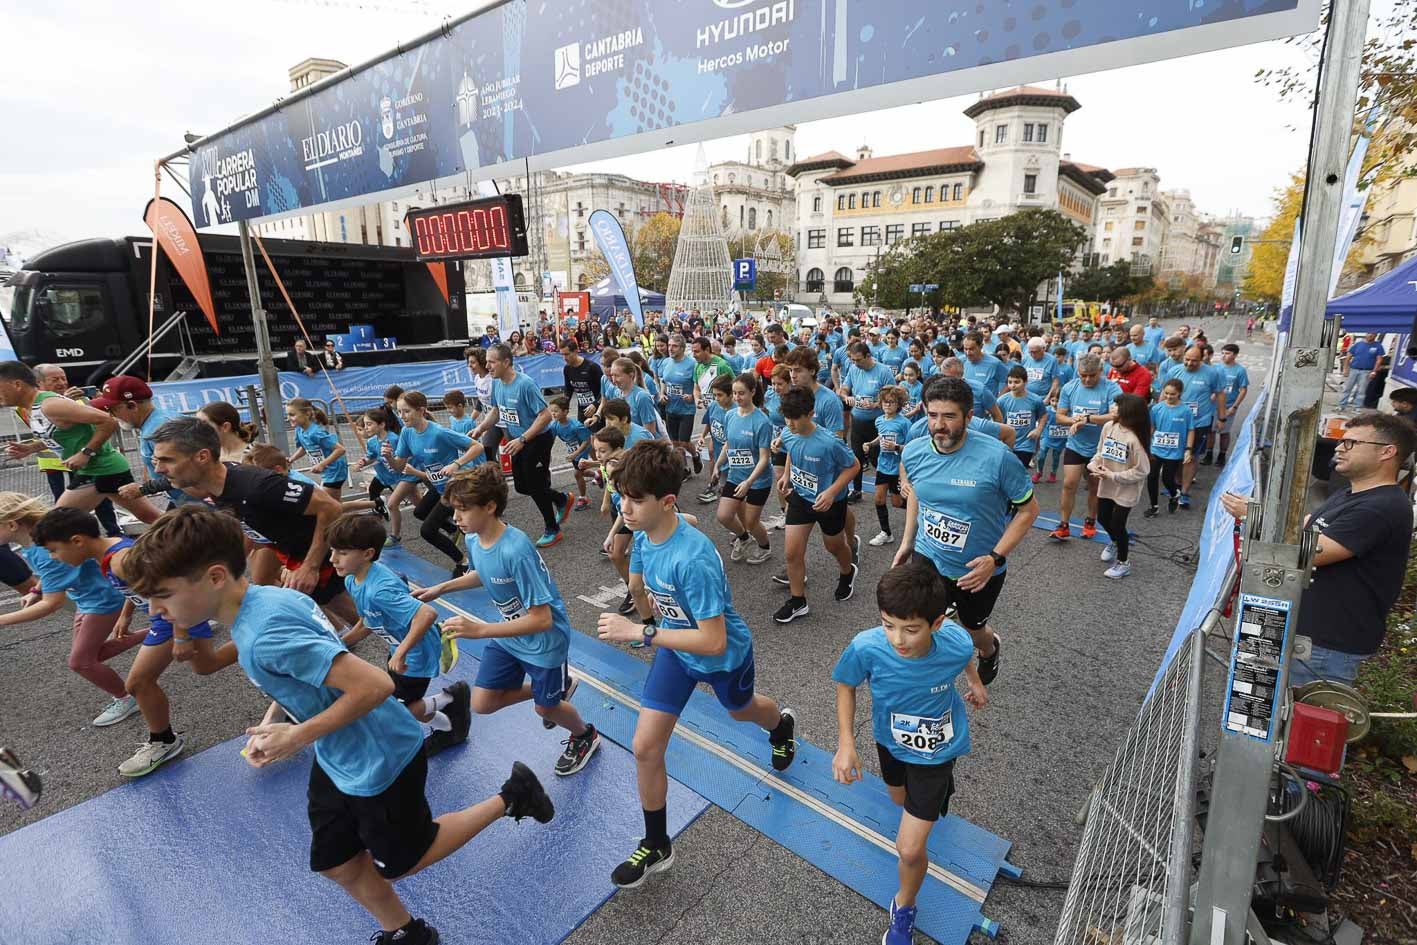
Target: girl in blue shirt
313, 437
892, 433
576, 436
746, 462
629, 387
912, 383
99, 634
377, 433
1052, 443
1173, 435
433, 453
715, 431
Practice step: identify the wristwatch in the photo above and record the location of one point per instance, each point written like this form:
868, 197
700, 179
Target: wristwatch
90, 453
999, 559
650, 629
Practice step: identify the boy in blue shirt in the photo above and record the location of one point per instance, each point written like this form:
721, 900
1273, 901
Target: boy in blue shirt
369, 816
1237, 387
814, 480
1024, 412
698, 637
576, 436
715, 432
534, 635
1052, 443
417, 651
458, 420
917, 716
892, 433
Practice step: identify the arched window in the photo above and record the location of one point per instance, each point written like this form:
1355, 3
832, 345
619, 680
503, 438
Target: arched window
930, 194
876, 199
752, 218
760, 151
740, 217
851, 202
843, 281
788, 146
519, 279
583, 282
773, 150
915, 195
769, 219
725, 215
815, 278
817, 204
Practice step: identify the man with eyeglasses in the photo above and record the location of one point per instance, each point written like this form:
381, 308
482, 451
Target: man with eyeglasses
1365, 532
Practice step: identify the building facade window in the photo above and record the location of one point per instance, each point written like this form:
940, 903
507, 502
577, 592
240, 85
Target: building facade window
981, 137
1138, 241
742, 212
958, 192
817, 204
949, 224
759, 150
1138, 225
769, 219
815, 279
843, 281
1042, 132
876, 199
930, 194
1027, 131
865, 199
1001, 134
725, 215
919, 229
851, 202
772, 150
1107, 227
870, 236
816, 239
895, 233
1030, 183
841, 201
846, 236
752, 218
915, 195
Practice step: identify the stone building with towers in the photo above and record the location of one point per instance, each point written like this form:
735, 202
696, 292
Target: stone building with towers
849, 210
755, 195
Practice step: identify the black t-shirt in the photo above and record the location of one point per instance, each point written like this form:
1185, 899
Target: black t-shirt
583, 384
271, 508
1346, 606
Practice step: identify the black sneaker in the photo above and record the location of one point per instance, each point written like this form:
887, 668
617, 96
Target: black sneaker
524, 796
459, 711
989, 665
437, 741
1220, 459
459, 570
644, 861
381, 508
698, 463
1207, 460
1171, 504
794, 607
579, 748
783, 741
565, 697
416, 932
627, 606
782, 578
846, 584
1150, 512
853, 496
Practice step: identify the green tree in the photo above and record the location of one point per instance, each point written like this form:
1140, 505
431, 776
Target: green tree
1003, 262
888, 278
1105, 283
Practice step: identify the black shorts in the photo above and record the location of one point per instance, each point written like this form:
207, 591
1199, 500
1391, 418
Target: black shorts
623, 530
1025, 458
531, 468
680, 426
1073, 458
758, 497
928, 788
409, 688
13, 569
107, 485
396, 827
890, 480
779, 459
335, 485
832, 521
1202, 440
972, 608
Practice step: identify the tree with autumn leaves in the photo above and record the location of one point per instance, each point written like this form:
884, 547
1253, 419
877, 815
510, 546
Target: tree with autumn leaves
652, 246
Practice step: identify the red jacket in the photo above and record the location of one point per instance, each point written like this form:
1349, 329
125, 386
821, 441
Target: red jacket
1136, 381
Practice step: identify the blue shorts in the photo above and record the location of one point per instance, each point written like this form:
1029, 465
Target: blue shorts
160, 631
670, 683
502, 671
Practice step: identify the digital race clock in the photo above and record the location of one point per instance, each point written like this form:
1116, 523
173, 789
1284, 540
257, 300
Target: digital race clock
478, 229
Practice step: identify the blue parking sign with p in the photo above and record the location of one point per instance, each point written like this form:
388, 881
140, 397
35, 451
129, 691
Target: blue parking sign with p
745, 274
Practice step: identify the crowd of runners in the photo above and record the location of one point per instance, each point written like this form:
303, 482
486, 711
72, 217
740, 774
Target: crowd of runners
946, 425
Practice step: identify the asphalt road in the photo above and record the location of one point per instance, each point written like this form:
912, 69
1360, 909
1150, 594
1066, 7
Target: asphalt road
1079, 653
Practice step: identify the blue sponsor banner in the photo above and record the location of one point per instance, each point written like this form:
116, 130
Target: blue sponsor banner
579, 80
610, 238
362, 385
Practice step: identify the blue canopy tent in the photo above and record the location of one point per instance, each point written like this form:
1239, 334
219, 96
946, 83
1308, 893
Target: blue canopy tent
606, 300
1387, 304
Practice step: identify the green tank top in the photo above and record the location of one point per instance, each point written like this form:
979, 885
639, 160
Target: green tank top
69, 440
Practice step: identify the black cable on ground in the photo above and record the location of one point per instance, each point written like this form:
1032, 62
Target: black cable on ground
1032, 883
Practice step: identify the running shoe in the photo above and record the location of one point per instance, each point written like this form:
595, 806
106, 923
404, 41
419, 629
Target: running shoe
757, 554
437, 741
565, 697
989, 665
739, 549
1150, 512
902, 928
1037, 476
698, 463
776, 522
1061, 533
782, 578
1089, 529
582, 503
794, 607
644, 861
603, 552
392, 541
882, 538
627, 606
784, 741
578, 750
548, 539
524, 796
448, 654
1119, 570
1207, 460
381, 508
459, 711
17, 782
855, 549
1184, 501
846, 585
149, 757
416, 932
1220, 459
1052, 477
1109, 553
708, 496
853, 496
565, 508
117, 711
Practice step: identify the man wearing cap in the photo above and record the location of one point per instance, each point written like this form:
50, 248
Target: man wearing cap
130, 402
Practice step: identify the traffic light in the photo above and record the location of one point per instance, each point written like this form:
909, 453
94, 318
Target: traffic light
1237, 243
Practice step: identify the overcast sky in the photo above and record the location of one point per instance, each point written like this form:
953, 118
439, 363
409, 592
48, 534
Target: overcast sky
92, 94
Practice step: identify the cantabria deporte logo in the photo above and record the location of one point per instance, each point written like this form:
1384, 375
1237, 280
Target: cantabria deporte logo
568, 66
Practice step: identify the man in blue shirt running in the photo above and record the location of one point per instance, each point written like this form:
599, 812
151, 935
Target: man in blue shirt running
676, 375
1084, 406
961, 487
983, 367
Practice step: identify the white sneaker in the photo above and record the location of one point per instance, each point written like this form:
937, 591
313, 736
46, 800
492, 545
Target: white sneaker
882, 538
777, 521
758, 554
1109, 553
149, 757
1119, 570
117, 711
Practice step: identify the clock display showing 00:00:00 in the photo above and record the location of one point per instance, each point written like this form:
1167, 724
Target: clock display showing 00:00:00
478, 229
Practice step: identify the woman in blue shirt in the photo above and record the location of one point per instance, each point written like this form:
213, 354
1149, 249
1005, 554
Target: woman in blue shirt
629, 387
746, 462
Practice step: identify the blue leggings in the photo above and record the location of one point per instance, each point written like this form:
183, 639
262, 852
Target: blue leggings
1057, 453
